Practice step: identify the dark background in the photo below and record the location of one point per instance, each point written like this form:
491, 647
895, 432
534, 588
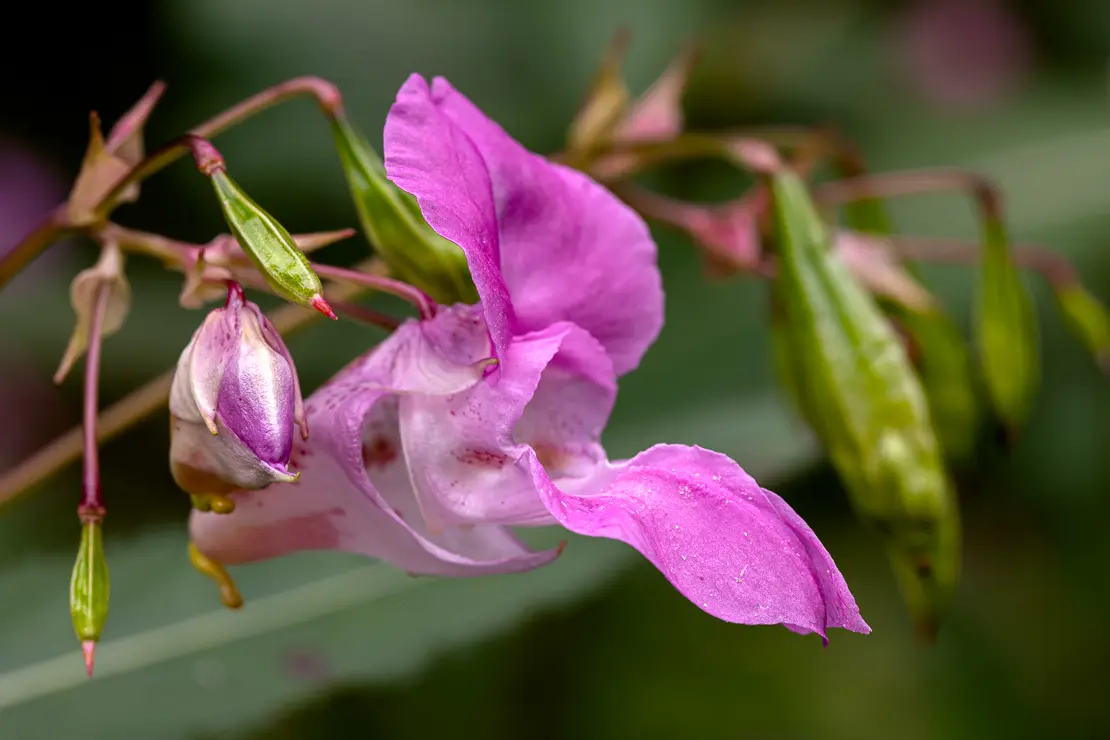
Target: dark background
597, 645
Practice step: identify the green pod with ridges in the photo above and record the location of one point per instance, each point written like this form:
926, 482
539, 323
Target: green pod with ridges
267, 243
863, 399
944, 363
395, 227
88, 587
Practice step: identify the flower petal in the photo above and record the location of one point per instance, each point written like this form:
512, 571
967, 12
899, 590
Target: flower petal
466, 451
563, 247
354, 493
432, 158
734, 549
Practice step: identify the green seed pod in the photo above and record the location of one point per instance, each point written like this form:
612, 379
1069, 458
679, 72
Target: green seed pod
1005, 330
88, 588
947, 373
943, 363
1088, 320
268, 245
393, 223
858, 391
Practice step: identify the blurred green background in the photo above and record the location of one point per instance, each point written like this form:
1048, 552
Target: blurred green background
597, 645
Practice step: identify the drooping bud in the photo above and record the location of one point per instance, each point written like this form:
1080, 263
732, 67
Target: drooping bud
395, 227
265, 241
88, 590
83, 291
1088, 320
854, 383
234, 403
1005, 329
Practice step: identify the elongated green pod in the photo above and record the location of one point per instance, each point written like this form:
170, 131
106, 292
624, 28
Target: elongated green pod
862, 397
947, 372
1005, 329
88, 588
268, 245
392, 221
944, 363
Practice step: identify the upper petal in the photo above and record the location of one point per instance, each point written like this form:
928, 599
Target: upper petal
432, 158
734, 549
467, 451
563, 247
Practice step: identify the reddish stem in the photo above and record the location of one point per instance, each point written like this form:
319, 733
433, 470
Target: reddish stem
207, 158
92, 506
893, 184
1053, 267
326, 94
423, 302
367, 315
49, 229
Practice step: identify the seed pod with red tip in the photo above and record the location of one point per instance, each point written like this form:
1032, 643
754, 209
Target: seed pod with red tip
267, 243
88, 588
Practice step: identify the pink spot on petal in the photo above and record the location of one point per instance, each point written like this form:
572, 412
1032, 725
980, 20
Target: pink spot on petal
378, 452
482, 458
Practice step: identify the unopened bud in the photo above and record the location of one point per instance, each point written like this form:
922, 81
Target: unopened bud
1088, 320
855, 385
1005, 330
88, 590
396, 228
83, 291
266, 242
234, 403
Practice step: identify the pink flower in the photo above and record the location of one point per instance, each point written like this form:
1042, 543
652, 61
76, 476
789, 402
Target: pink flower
424, 451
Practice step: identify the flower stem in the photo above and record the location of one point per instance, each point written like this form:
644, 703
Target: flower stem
423, 303
145, 401
206, 156
1053, 267
51, 227
326, 94
366, 315
92, 505
171, 252
894, 184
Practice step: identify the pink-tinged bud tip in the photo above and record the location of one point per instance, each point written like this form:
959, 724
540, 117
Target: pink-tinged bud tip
322, 306
208, 158
88, 647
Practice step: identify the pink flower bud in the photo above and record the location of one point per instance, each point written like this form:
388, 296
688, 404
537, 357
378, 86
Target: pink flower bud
234, 403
